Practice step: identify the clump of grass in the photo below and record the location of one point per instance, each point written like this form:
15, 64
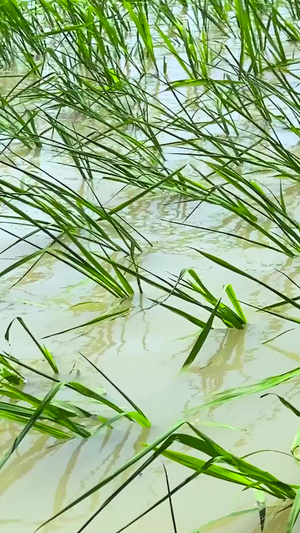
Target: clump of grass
100, 62
61, 420
236, 470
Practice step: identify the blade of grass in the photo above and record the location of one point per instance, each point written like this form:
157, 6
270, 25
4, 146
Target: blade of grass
117, 388
116, 473
44, 351
201, 339
90, 322
239, 392
170, 500
49, 396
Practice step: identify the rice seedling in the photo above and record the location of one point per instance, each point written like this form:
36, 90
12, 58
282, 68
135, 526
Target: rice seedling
269, 308
187, 103
240, 472
68, 418
74, 231
44, 351
250, 202
71, 214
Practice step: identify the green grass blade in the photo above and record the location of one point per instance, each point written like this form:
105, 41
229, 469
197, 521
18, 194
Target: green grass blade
260, 386
117, 472
31, 422
138, 410
236, 304
284, 402
201, 339
45, 352
233, 268
170, 500
90, 322
294, 514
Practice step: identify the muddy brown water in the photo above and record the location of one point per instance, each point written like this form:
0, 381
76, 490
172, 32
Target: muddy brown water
142, 353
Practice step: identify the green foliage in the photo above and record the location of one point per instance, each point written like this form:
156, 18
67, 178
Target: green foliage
95, 83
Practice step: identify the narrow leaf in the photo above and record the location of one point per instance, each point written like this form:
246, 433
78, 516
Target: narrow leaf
201, 339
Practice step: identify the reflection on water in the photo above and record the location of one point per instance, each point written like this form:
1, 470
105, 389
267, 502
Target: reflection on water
61, 490
21, 464
229, 356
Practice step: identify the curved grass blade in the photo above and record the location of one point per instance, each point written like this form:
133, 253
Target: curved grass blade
294, 514
90, 322
146, 421
55, 413
202, 338
284, 402
38, 426
277, 336
239, 392
236, 304
85, 391
177, 311
233, 268
44, 351
31, 422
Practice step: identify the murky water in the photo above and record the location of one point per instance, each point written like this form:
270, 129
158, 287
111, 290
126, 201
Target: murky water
142, 353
